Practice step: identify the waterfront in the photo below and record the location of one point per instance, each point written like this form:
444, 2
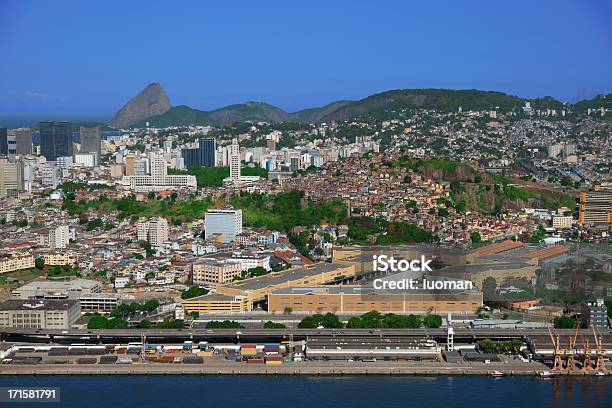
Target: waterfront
320, 392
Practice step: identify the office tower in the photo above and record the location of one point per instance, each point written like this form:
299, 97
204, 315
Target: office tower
90, 141
154, 230
23, 138
11, 177
56, 139
226, 222
596, 207
234, 156
11, 144
129, 160
3, 142
208, 151
202, 156
59, 237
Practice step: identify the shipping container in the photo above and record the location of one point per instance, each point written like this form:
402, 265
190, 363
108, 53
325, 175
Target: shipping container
255, 361
86, 360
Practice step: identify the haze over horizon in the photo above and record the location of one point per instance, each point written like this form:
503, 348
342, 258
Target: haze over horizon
209, 56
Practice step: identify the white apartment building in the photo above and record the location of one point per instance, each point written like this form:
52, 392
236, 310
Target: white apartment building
59, 237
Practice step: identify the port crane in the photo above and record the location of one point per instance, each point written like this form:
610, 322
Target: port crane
571, 352
558, 355
601, 352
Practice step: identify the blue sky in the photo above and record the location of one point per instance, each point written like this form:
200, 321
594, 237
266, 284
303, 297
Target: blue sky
90, 57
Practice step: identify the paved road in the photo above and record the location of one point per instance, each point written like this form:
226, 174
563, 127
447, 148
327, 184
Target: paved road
279, 332
304, 368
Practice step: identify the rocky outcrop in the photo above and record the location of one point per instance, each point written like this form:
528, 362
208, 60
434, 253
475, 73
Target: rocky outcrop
151, 101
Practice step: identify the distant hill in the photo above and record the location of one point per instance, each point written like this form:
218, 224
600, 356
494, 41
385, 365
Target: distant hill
249, 111
314, 115
441, 99
151, 101
243, 112
600, 101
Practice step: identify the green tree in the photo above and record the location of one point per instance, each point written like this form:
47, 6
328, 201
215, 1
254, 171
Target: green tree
564, 322
489, 286
475, 237
271, 325
432, 321
39, 263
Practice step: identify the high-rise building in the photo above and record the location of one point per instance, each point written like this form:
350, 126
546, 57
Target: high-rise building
59, 237
225, 222
129, 160
90, 141
56, 139
11, 177
23, 141
3, 142
234, 156
154, 230
158, 179
202, 156
596, 206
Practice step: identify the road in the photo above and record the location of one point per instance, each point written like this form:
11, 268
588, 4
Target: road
167, 335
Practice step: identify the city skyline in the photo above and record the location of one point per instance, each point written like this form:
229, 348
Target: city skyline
340, 54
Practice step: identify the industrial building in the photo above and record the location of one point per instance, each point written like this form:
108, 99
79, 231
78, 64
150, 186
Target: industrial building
217, 303
39, 314
362, 299
258, 288
368, 348
61, 289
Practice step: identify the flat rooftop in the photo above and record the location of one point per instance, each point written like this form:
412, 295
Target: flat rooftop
31, 304
213, 297
278, 278
59, 285
364, 291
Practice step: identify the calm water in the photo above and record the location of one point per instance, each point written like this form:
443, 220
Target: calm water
321, 392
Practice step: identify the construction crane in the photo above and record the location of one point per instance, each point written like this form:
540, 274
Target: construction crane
558, 359
599, 362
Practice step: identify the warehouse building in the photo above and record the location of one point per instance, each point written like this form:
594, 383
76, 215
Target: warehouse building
362, 299
371, 348
217, 303
258, 288
39, 314
47, 289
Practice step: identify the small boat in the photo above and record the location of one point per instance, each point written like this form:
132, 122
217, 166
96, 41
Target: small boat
546, 374
497, 374
600, 374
